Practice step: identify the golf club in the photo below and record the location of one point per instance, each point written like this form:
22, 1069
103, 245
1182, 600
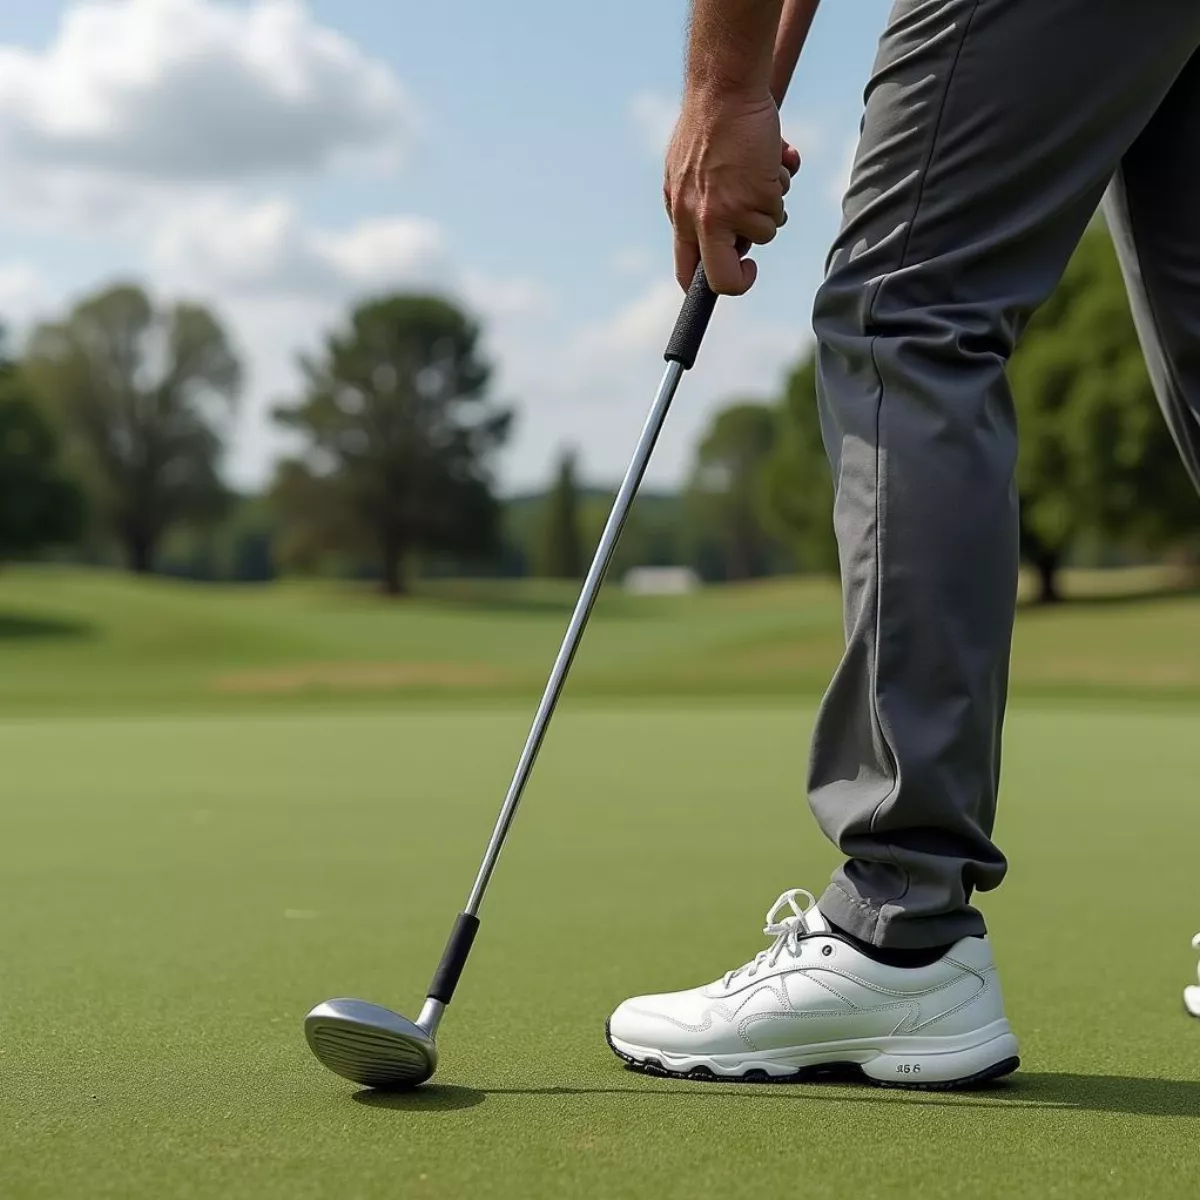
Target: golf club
372, 1045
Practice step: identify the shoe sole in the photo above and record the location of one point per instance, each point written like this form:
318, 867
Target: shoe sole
834, 1070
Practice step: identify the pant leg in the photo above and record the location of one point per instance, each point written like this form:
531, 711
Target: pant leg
992, 129
1153, 209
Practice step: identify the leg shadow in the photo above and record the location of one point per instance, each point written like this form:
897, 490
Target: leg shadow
1108, 1093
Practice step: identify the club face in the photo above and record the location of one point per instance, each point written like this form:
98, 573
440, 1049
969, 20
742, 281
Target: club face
370, 1044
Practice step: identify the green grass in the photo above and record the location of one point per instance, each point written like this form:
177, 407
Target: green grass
221, 805
87, 642
178, 890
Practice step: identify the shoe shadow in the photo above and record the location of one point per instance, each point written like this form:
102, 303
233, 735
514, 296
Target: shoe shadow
1031, 1089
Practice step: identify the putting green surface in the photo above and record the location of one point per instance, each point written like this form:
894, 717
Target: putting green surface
178, 891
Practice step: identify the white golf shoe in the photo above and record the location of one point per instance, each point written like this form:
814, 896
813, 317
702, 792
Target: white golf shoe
813, 1006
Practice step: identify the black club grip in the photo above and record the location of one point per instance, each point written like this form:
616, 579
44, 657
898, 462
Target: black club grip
694, 317
445, 978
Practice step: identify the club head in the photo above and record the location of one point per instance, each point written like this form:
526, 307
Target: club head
370, 1044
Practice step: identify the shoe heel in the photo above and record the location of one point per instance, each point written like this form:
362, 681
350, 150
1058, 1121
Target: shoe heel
932, 1062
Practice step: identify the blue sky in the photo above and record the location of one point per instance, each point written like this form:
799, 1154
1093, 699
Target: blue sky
279, 159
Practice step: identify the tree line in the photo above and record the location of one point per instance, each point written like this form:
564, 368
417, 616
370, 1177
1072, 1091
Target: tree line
114, 420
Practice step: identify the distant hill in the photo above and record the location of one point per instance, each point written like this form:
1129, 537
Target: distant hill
91, 641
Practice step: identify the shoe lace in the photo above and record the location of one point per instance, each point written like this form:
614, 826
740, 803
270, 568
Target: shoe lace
787, 932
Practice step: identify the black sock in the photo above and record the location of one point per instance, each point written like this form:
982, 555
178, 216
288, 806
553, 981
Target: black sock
890, 956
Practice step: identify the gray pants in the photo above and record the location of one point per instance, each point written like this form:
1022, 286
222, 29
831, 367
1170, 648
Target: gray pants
993, 129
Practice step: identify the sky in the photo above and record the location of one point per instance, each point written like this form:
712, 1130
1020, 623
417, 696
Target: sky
279, 159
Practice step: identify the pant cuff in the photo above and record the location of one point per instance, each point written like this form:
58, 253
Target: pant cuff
889, 925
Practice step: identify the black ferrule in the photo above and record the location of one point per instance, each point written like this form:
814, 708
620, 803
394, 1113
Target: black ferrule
445, 979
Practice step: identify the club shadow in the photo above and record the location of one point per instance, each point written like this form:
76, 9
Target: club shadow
432, 1097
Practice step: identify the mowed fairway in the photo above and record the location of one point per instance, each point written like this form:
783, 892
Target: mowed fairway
178, 890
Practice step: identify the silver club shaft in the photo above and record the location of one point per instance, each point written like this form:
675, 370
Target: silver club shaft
579, 619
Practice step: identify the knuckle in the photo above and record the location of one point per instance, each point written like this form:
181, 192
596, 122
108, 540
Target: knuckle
719, 277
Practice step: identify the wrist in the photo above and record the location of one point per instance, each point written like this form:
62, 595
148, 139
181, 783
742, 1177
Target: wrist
706, 93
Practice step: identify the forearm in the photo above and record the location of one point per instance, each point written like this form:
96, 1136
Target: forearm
746, 46
794, 26
731, 45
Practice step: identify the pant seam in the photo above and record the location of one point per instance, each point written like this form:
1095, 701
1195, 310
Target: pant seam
893, 761
1187, 452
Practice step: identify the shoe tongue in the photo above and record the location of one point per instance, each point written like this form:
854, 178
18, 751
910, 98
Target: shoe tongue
814, 922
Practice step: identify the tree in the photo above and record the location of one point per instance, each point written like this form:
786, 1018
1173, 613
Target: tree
797, 485
399, 439
1096, 456
561, 551
238, 549
142, 394
726, 489
39, 506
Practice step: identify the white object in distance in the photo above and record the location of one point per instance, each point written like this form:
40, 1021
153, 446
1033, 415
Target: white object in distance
661, 581
1191, 995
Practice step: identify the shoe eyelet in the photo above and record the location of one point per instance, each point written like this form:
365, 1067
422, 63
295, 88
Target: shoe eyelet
827, 949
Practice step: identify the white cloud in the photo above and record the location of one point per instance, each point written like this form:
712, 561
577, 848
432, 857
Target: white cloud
266, 252
504, 299
591, 387
633, 260
806, 136
639, 327
282, 283
265, 248
196, 90
654, 116
160, 131
22, 291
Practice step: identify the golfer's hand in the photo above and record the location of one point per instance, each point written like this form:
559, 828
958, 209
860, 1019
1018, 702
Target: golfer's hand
728, 170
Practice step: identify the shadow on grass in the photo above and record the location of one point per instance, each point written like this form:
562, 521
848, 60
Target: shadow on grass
1131, 599
1108, 1093
433, 1097
1028, 1090
22, 627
